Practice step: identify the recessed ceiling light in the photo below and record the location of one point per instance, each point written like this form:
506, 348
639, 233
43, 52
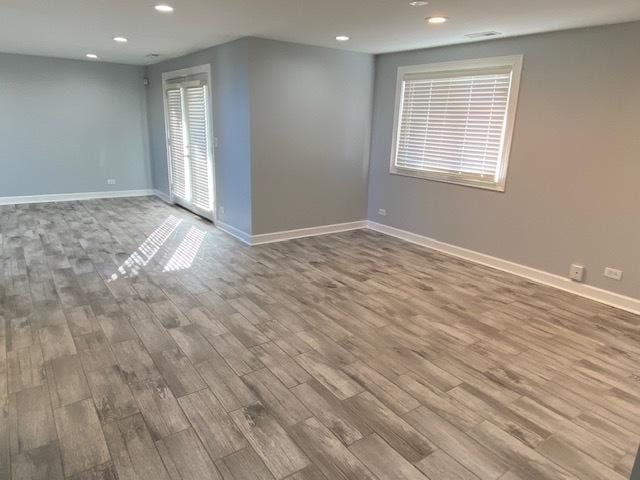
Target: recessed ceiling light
91, 55
418, 3
164, 8
342, 38
120, 39
437, 19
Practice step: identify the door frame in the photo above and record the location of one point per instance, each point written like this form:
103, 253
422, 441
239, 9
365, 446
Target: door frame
175, 75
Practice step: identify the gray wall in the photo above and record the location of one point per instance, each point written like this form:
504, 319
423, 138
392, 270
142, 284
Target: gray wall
572, 186
310, 135
293, 125
231, 125
66, 126
635, 474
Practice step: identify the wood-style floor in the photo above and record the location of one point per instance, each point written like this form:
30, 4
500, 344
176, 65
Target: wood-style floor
139, 342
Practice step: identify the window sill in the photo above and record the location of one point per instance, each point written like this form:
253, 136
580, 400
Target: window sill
494, 187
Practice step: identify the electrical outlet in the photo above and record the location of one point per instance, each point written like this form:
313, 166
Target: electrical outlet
215, 142
111, 181
382, 212
220, 213
576, 273
613, 273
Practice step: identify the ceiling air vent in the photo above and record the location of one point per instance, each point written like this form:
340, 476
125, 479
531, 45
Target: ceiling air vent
482, 35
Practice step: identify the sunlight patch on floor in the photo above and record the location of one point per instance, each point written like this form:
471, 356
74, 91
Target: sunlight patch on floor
186, 251
148, 249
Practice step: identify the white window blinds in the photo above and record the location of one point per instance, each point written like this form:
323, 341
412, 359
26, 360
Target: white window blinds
190, 154
176, 142
197, 131
452, 124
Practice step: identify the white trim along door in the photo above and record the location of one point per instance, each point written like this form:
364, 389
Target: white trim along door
187, 105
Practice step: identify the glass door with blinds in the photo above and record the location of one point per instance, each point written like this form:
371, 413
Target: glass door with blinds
189, 144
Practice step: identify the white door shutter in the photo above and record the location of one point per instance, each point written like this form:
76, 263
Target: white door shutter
176, 143
198, 149
190, 154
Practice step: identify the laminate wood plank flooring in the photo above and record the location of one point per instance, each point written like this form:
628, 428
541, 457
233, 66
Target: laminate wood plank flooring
139, 341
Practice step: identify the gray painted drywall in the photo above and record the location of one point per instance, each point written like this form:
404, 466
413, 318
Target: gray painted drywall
66, 126
231, 125
635, 474
310, 135
572, 186
293, 125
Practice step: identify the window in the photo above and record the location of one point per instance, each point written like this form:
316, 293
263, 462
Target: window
454, 121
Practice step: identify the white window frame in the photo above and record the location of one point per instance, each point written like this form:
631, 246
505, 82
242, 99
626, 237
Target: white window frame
514, 62
167, 78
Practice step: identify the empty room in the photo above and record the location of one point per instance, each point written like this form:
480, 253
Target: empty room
319, 240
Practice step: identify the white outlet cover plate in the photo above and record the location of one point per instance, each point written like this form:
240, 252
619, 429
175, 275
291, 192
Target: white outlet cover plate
613, 273
576, 273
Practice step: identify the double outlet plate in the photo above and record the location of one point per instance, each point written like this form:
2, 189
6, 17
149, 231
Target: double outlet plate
577, 273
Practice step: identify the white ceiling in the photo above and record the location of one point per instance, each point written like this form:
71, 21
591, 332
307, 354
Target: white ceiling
72, 28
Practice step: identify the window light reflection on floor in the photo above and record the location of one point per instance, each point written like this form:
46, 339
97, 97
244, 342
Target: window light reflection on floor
147, 250
186, 252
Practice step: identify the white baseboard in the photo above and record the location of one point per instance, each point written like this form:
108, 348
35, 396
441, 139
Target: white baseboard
306, 232
241, 235
597, 294
70, 197
162, 196
283, 236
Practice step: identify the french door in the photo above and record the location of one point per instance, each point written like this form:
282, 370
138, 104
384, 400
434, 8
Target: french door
189, 145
